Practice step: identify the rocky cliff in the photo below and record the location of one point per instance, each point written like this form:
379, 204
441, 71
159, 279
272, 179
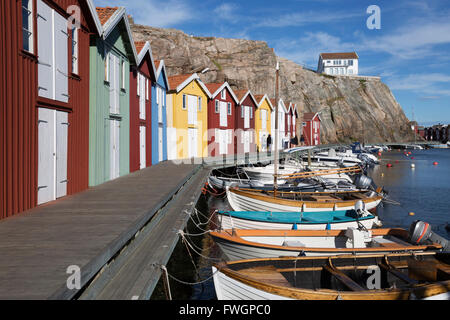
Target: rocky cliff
352, 109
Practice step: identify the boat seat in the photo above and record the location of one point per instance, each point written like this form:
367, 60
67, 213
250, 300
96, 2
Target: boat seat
343, 278
266, 273
396, 272
293, 244
324, 198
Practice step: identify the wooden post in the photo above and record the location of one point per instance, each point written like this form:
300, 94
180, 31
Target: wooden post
276, 157
166, 283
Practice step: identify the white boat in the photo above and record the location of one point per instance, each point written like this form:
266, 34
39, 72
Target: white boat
343, 277
238, 244
255, 200
244, 220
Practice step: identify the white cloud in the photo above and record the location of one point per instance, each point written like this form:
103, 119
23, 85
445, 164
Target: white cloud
430, 84
154, 13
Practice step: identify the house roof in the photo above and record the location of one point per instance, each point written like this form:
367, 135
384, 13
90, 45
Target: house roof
160, 66
109, 18
339, 55
178, 82
216, 88
242, 95
309, 116
105, 13
282, 104
142, 48
261, 98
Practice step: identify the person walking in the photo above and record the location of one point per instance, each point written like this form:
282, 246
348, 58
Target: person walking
269, 143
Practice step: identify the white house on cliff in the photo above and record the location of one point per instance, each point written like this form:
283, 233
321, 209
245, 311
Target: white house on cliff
340, 63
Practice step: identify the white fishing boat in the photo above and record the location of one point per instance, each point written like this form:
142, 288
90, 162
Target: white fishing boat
239, 244
407, 276
335, 220
257, 200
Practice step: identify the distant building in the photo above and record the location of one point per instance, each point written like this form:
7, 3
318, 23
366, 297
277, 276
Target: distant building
341, 63
311, 128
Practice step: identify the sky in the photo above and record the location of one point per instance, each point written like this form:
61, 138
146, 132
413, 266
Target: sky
410, 49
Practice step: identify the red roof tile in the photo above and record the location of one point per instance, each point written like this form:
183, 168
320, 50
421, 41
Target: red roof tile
175, 81
241, 93
308, 116
339, 55
105, 13
213, 87
139, 45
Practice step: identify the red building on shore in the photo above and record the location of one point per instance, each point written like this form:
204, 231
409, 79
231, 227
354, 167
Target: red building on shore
44, 70
245, 137
311, 129
141, 79
221, 119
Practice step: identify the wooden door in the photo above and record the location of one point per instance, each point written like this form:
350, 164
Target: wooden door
142, 147
114, 126
192, 110
192, 143
160, 143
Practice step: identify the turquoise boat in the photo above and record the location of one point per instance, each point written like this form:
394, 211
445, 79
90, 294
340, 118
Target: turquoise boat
332, 220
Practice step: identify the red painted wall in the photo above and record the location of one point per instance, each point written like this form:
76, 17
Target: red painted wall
214, 123
19, 103
135, 121
308, 132
239, 146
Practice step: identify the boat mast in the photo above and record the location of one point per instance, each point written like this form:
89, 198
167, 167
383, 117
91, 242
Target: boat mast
275, 185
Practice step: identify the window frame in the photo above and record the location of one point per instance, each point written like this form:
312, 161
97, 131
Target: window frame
229, 109
216, 106
75, 50
223, 94
199, 101
184, 104
30, 24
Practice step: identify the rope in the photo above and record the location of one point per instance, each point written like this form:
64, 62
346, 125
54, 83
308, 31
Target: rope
188, 283
182, 234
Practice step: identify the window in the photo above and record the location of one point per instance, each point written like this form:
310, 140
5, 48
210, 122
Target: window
304, 124
242, 111
124, 75
147, 89
199, 104
217, 106
27, 25
251, 112
350, 71
350, 62
184, 102
107, 69
223, 94
229, 108
75, 50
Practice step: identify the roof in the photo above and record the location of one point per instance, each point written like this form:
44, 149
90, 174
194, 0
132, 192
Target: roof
109, 18
178, 82
157, 62
339, 55
242, 95
273, 101
105, 13
216, 88
261, 98
309, 116
142, 48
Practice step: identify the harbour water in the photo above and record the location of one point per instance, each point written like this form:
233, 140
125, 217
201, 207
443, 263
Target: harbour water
423, 190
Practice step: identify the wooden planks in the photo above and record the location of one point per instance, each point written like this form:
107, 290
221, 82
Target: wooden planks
85, 230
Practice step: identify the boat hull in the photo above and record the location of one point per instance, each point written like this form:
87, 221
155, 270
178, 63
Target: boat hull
227, 222
242, 202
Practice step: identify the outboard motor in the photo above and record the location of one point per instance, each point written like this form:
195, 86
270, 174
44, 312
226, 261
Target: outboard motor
363, 182
420, 232
360, 208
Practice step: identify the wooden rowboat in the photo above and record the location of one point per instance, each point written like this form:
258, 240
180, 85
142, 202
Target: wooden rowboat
401, 276
260, 200
333, 220
251, 244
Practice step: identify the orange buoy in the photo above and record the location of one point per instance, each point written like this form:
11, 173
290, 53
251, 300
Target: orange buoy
435, 163
412, 214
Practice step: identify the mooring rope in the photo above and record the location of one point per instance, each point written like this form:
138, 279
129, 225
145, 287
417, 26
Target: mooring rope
183, 235
185, 282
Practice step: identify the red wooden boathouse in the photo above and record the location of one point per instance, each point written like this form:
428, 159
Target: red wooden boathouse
44, 69
141, 79
245, 137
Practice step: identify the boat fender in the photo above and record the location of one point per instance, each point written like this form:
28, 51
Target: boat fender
360, 207
420, 232
294, 226
328, 227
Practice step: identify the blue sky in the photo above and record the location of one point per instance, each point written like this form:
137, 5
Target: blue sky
410, 51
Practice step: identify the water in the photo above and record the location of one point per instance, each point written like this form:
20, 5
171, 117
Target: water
424, 190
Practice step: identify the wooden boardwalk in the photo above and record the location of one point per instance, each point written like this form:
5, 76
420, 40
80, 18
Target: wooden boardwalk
85, 230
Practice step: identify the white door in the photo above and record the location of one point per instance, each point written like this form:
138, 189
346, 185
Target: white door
264, 119
223, 113
114, 83
45, 49
247, 117
192, 143
192, 110
114, 126
223, 141
142, 147
46, 155
52, 154
62, 131
142, 96
160, 143
246, 141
